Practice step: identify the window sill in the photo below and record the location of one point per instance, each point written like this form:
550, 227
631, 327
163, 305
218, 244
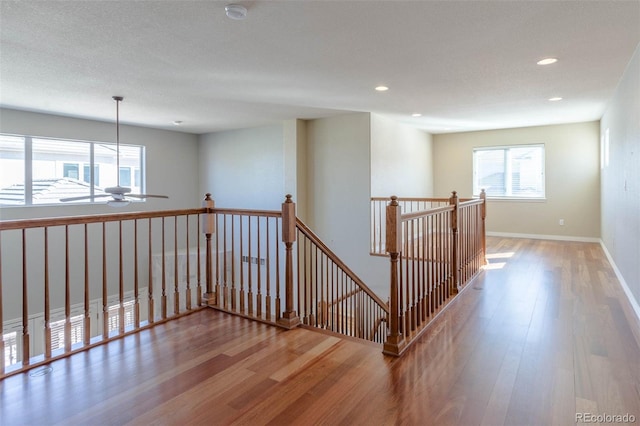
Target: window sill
517, 199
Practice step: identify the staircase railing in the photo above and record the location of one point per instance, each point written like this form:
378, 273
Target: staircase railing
253, 274
433, 254
331, 296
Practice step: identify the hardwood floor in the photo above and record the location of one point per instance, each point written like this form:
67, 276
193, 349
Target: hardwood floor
546, 332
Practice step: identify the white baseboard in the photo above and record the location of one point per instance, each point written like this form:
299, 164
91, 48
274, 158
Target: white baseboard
623, 283
544, 237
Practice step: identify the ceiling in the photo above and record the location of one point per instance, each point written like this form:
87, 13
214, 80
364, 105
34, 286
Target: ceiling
463, 65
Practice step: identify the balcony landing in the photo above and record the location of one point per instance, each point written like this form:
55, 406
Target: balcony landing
543, 334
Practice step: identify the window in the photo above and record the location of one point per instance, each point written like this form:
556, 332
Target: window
36, 170
70, 170
57, 332
10, 348
114, 316
509, 171
125, 176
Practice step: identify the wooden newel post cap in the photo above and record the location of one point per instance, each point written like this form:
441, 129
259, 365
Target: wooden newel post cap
288, 198
454, 193
394, 200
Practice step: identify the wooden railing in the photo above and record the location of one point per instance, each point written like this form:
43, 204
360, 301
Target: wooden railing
253, 275
378, 215
433, 254
68, 284
331, 296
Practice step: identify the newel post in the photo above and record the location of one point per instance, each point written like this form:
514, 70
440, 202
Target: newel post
208, 228
395, 342
289, 318
455, 202
483, 197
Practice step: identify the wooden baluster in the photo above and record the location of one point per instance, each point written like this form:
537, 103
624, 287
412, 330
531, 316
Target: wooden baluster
219, 296
395, 342
120, 281
176, 277
242, 295
483, 230
151, 314
233, 263
163, 281
225, 292
289, 318
259, 274
268, 298
105, 306
25, 304
199, 276
277, 248
249, 268
47, 309
208, 227
455, 202
136, 289
67, 293
188, 290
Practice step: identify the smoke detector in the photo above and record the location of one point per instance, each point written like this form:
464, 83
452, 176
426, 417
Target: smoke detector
236, 11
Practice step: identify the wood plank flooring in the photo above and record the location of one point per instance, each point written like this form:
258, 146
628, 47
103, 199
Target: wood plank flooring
544, 333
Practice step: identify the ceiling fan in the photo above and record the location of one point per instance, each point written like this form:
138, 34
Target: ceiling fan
117, 193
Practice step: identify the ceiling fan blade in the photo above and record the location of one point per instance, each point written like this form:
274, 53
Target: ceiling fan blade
146, 196
84, 197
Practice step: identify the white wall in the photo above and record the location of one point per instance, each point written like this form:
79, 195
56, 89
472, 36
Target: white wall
572, 179
244, 168
338, 179
401, 159
620, 184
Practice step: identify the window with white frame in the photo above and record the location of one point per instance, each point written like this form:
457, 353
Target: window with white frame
37, 170
10, 348
509, 171
114, 315
57, 332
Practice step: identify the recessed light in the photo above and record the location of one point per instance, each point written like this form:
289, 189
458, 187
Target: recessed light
382, 88
547, 61
236, 11
557, 98
416, 114
177, 123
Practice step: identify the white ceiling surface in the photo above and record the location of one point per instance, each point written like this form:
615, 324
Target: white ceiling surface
464, 65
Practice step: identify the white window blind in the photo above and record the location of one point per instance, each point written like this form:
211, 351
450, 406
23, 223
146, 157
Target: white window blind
57, 332
509, 171
10, 348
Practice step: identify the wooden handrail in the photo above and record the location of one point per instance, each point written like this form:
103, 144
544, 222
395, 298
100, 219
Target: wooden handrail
6, 225
424, 213
334, 258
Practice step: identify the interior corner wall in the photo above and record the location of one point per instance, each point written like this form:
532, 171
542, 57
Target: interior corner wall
572, 159
620, 184
244, 168
170, 164
295, 157
338, 182
401, 159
